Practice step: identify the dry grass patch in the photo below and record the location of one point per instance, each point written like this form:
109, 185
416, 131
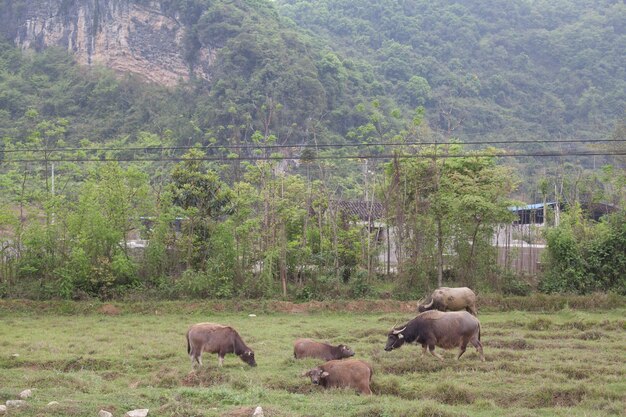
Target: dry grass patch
593, 335
426, 411
540, 324
204, 377
167, 377
452, 395
578, 325
109, 310
516, 344
401, 366
300, 386
545, 397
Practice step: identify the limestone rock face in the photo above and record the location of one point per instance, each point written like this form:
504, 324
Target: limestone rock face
120, 34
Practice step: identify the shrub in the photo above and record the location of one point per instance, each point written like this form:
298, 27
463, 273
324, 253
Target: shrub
204, 285
359, 285
513, 284
583, 257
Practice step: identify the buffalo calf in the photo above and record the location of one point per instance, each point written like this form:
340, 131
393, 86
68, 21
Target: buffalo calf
307, 348
349, 373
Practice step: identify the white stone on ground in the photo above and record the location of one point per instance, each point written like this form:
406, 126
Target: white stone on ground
26, 394
3, 409
258, 412
15, 403
52, 404
104, 413
141, 412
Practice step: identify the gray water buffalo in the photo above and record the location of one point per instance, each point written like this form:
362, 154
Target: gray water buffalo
348, 373
451, 299
435, 328
307, 348
216, 338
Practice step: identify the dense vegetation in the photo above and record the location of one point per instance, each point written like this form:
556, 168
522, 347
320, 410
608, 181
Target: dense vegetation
483, 70
503, 69
228, 214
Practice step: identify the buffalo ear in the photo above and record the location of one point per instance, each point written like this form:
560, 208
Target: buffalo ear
324, 374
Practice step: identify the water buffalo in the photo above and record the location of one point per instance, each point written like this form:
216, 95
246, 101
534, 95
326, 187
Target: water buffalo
307, 348
352, 373
451, 299
216, 338
436, 328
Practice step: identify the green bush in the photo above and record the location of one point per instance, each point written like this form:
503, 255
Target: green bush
584, 257
202, 284
513, 284
359, 285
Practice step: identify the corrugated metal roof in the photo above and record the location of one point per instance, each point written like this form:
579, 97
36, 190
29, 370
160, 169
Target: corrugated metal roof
532, 206
363, 210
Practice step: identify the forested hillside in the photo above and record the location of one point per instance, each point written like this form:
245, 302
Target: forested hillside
483, 70
500, 69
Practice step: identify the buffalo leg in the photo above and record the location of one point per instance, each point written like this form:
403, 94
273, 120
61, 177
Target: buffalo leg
196, 361
472, 311
220, 360
431, 348
479, 348
423, 350
462, 349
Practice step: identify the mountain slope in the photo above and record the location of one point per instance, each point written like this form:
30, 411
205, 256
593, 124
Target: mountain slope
500, 68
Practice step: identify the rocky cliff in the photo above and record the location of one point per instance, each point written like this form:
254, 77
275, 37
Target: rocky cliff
125, 35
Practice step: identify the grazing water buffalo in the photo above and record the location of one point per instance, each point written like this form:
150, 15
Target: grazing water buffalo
307, 348
352, 373
216, 338
451, 299
436, 328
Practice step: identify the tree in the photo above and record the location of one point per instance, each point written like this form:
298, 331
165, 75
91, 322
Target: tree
203, 198
452, 205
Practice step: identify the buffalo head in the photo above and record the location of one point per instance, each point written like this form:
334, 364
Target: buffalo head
421, 307
248, 357
346, 352
395, 339
316, 375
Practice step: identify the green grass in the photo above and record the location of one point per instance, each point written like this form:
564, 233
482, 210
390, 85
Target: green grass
564, 363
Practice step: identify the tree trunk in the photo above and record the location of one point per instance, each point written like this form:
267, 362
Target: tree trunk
439, 253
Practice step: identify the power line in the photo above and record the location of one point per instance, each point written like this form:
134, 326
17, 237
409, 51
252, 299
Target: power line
334, 157
310, 145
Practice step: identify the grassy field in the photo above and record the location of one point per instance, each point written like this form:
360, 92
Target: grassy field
563, 363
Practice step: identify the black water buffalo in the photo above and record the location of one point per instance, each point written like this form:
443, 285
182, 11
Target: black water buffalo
451, 299
216, 338
348, 373
436, 328
307, 348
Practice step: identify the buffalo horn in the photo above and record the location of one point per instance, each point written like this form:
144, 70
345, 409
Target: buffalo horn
429, 304
399, 330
